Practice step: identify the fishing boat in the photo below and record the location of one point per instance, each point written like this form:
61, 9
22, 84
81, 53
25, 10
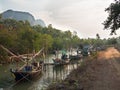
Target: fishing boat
61, 61
30, 70
76, 55
58, 61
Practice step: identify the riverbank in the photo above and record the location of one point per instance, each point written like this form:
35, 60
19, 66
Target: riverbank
101, 73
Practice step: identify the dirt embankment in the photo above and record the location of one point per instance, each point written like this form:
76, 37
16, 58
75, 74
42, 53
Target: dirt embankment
109, 53
102, 73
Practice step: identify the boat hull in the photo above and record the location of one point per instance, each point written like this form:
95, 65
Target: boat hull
75, 57
26, 75
60, 62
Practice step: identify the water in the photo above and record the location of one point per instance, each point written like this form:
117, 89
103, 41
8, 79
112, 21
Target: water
49, 75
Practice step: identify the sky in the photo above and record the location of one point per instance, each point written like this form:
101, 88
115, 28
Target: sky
83, 16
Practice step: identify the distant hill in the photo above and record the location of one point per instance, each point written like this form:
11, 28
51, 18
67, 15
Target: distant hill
19, 15
39, 21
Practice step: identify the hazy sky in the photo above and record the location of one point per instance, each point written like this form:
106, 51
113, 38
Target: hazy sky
83, 16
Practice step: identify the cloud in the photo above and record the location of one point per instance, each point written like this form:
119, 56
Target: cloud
83, 16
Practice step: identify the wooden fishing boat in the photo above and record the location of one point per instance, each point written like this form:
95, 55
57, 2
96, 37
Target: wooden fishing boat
75, 57
58, 61
28, 72
61, 61
64, 60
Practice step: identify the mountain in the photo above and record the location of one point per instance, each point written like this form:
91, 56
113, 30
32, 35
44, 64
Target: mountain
19, 15
39, 21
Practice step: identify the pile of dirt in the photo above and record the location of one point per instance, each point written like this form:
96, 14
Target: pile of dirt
102, 73
109, 53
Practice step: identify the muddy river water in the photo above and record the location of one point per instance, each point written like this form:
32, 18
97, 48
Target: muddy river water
49, 75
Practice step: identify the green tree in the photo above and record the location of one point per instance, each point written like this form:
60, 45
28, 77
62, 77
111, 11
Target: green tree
112, 41
47, 42
113, 20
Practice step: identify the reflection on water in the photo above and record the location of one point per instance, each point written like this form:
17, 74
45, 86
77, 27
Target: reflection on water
50, 74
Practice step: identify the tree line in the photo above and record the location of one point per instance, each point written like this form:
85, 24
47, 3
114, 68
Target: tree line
20, 38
